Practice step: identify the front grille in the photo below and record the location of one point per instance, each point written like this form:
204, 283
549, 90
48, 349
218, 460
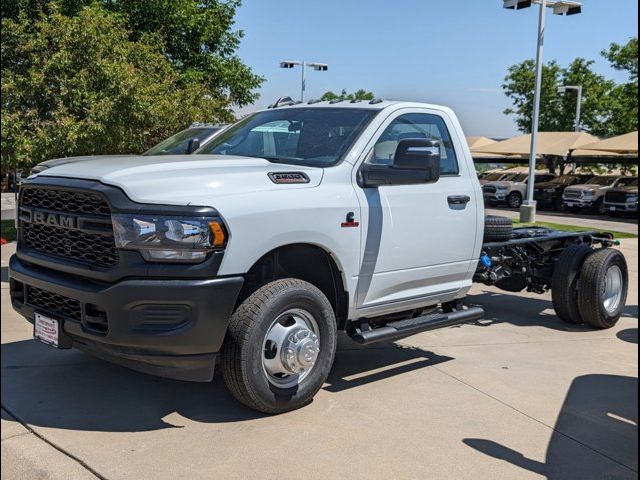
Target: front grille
616, 197
70, 242
572, 194
65, 201
489, 189
53, 303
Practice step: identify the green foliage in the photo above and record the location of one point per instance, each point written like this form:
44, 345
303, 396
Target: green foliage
358, 95
607, 109
624, 57
624, 98
105, 77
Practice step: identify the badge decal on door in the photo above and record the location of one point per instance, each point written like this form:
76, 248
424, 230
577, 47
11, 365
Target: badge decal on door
350, 221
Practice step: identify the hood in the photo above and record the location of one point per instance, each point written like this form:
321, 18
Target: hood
548, 185
179, 179
505, 184
54, 162
585, 187
629, 189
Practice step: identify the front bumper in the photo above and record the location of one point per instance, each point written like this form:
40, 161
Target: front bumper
170, 328
546, 198
578, 202
621, 207
498, 197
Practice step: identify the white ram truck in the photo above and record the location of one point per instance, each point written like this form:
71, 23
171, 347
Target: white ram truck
511, 190
291, 225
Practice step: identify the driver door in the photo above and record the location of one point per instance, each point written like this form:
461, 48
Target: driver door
417, 244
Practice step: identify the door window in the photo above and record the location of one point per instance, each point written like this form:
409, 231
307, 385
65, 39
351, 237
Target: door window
411, 126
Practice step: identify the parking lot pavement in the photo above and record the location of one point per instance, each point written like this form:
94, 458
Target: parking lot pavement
586, 220
8, 205
517, 395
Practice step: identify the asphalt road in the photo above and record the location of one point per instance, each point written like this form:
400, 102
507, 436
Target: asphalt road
518, 395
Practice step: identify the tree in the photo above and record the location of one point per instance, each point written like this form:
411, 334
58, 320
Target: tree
607, 109
624, 57
557, 111
196, 36
79, 85
107, 76
624, 97
358, 95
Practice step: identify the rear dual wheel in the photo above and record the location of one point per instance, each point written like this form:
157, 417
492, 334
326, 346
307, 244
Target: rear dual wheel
603, 288
590, 286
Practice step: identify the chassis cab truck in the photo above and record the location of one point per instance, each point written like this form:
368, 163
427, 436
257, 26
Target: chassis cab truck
295, 223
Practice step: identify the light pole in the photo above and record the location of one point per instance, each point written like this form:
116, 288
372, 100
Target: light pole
528, 208
320, 67
577, 88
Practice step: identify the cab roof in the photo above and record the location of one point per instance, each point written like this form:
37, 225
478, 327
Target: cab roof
375, 104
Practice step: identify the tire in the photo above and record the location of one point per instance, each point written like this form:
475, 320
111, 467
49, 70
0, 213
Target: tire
598, 208
514, 200
246, 351
564, 283
601, 302
497, 228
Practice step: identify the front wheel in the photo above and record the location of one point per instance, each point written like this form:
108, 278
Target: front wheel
514, 200
599, 207
280, 346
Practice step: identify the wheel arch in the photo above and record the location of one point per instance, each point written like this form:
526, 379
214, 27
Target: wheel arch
305, 261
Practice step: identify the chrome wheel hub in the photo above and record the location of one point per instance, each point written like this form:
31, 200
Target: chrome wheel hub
291, 348
612, 290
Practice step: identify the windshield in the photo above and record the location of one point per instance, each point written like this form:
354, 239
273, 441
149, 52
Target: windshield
521, 177
565, 180
627, 182
316, 137
492, 177
604, 181
177, 144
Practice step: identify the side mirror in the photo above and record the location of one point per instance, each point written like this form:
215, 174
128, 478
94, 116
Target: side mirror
193, 145
415, 161
417, 153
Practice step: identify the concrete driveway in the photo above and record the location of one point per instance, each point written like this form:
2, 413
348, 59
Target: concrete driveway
518, 395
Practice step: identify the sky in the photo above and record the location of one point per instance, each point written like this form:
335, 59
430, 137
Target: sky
447, 52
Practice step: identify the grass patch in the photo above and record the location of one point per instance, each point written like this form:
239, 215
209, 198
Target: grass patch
572, 228
8, 231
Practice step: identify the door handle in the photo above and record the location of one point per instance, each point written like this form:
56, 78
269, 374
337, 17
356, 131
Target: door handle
458, 199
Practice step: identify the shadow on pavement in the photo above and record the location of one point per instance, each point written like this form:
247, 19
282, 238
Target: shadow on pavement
68, 389
595, 435
374, 364
498, 308
629, 335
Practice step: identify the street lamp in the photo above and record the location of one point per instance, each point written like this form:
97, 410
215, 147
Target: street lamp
320, 67
528, 208
577, 88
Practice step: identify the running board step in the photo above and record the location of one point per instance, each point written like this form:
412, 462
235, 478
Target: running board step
404, 328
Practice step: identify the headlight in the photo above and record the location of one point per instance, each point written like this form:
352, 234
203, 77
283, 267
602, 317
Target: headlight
502, 188
161, 238
550, 190
633, 199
